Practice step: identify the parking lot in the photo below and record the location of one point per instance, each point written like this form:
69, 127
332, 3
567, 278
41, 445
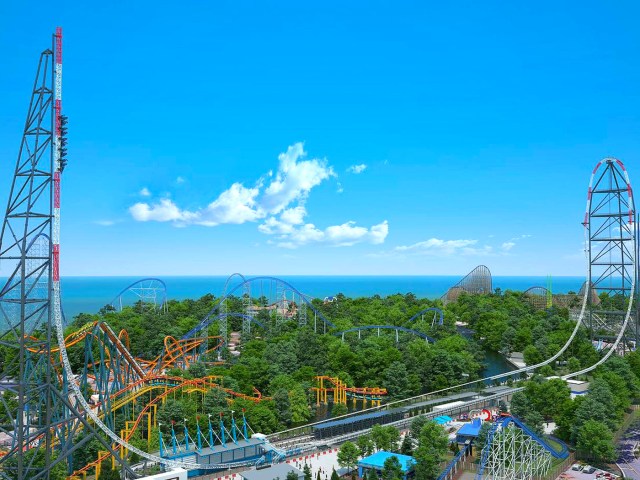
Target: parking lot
577, 472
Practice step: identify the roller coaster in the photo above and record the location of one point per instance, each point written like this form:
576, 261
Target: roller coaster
377, 328
514, 451
51, 406
149, 292
477, 281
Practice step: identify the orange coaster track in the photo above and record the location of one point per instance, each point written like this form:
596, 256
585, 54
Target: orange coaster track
150, 411
340, 391
119, 379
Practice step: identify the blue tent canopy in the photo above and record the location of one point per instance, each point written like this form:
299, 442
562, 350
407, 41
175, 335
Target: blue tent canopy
443, 419
471, 429
377, 461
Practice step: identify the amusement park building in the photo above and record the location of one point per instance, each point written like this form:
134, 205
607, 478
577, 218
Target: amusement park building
376, 462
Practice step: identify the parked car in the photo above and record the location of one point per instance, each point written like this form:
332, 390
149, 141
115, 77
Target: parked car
577, 467
588, 469
605, 475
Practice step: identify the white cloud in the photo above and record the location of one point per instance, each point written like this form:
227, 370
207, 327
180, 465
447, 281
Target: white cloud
235, 205
292, 182
348, 234
163, 211
144, 192
273, 226
105, 223
294, 179
294, 216
180, 180
285, 224
506, 246
356, 169
277, 198
344, 235
340, 189
439, 247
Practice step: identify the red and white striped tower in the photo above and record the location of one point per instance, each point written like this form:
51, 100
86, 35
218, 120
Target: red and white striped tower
57, 170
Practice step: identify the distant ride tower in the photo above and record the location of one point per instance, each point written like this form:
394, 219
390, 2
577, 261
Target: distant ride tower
610, 228
38, 417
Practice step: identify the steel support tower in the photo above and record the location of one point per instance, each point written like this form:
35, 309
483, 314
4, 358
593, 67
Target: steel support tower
38, 416
610, 229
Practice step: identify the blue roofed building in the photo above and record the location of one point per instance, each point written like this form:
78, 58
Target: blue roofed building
469, 431
376, 462
443, 420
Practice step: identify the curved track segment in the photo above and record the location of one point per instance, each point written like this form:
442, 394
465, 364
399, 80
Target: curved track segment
279, 288
386, 327
147, 290
421, 313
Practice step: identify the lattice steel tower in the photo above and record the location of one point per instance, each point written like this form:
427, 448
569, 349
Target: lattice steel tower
37, 413
610, 228
514, 455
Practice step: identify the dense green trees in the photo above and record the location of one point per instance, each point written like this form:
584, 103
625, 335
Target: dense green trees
365, 445
548, 396
283, 406
348, 456
397, 382
596, 441
431, 451
282, 363
507, 323
385, 438
392, 470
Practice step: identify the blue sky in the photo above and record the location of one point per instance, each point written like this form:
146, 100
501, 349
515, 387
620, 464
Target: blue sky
328, 137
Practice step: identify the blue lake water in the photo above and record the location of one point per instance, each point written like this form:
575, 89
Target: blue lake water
89, 294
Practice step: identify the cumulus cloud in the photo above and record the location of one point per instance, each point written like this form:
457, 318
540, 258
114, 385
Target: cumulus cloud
292, 182
277, 199
235, 205
294, 216
163, 211
294, 179
356, 169
144, 192
344, 235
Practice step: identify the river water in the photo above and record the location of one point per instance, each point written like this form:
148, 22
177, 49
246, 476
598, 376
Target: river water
495, 364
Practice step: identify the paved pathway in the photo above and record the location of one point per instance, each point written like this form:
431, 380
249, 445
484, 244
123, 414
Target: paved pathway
627, 461
324, 462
